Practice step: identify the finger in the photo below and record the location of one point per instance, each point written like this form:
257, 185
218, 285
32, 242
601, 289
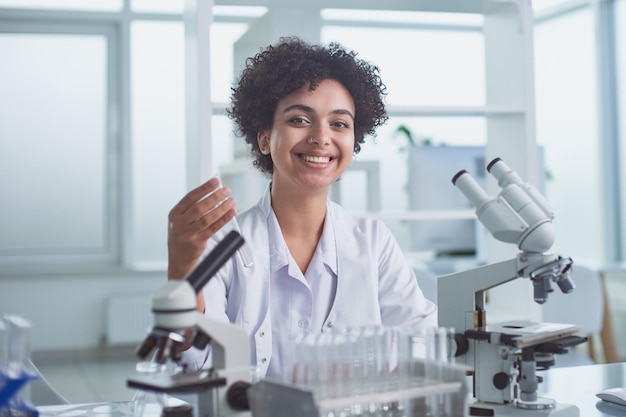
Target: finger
199, 209
216, 217
209, 230
209, 203
206, 211
199, 224
193, 196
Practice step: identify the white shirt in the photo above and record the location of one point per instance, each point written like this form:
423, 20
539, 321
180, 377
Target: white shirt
374, 286
300, 302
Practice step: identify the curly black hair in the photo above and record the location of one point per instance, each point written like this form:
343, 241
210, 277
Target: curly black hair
287, 66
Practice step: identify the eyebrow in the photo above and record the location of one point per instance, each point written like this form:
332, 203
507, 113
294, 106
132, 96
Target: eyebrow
309, 109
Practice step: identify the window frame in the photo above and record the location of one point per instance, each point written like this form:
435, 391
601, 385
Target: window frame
110, 253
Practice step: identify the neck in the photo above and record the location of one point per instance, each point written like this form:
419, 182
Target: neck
300, 215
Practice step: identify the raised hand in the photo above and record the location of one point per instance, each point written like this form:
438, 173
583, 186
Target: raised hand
197, 217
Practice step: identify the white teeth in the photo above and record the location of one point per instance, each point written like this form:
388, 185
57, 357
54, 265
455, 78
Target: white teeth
316, 159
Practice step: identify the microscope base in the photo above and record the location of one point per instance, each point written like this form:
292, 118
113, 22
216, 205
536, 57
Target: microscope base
509, 410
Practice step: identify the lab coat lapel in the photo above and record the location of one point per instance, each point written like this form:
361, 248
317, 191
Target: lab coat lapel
353, 272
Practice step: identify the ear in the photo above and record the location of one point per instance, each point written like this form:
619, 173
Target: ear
263, 139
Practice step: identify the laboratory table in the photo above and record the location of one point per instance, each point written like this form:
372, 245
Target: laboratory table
578, 385
575, 385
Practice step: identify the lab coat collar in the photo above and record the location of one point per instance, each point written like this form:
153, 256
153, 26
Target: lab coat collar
329, 234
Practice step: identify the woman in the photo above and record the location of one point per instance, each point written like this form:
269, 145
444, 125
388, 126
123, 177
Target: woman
304, 110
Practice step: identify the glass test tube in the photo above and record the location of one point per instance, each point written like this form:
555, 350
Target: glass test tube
18, 366
440, 355
244, 254
18, 350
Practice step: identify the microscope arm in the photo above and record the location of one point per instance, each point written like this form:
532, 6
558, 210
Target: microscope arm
463, 293
461, 296
230, 346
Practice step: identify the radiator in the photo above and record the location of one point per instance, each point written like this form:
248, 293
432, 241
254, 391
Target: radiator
129, 316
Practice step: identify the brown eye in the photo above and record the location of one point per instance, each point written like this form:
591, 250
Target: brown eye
341, 124
299, 120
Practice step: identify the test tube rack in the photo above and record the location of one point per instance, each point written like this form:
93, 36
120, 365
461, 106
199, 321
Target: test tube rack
270, 398
377, 371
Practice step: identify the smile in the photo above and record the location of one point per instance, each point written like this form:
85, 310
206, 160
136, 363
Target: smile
316, 159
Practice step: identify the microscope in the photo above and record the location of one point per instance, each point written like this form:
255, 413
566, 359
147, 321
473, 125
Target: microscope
504, 358
221, 390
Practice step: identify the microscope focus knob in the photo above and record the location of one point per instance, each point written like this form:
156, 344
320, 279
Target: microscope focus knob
237, 396
201, 340
462, 344
184, 410
500, 380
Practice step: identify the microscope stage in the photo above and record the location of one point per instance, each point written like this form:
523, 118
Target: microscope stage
524, 333
177, 383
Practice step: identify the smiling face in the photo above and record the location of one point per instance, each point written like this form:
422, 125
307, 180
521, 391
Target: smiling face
312, 138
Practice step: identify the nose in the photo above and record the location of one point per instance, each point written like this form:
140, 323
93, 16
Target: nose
321, 136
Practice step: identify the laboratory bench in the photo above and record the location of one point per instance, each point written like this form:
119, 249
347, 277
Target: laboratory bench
575, 385
578, 385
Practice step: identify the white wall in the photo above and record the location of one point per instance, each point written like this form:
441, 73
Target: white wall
68, 312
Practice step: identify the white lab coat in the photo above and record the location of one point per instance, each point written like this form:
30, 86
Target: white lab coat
375, 284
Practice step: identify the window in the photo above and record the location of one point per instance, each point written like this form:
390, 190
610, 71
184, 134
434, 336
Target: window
92, 135
57, 172
157, 155
566, 91
158, 128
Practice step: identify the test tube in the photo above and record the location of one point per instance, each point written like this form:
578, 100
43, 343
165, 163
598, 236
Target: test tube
243, 253
18, 350
245, 256
302, 367
19, 366
339, 357
440, 355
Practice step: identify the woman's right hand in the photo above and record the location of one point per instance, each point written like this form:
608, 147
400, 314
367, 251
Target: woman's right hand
193, 221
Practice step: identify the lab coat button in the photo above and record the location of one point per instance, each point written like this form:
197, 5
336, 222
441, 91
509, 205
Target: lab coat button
329, 324
262, 334
263, 360
302, 323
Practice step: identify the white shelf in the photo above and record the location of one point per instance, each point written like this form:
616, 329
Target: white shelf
419, 214
453, 111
